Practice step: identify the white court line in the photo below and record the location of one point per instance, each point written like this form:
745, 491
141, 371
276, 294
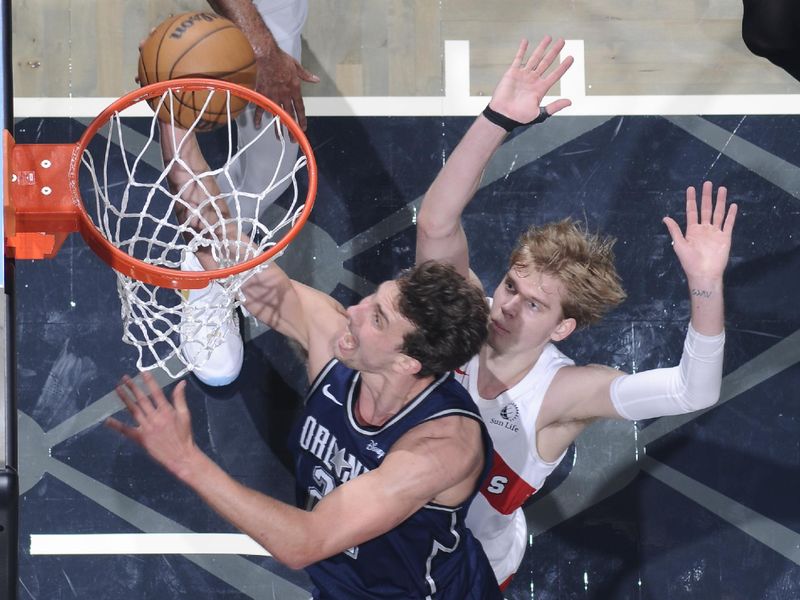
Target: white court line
573, 82
145, 543
456, 72
421, 106
457, 101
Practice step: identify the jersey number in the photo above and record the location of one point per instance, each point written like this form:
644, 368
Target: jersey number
325, 484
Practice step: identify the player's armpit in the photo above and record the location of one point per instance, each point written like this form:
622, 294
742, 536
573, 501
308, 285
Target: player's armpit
580, 393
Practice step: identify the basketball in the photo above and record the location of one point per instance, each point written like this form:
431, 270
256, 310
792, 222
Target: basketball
198, 44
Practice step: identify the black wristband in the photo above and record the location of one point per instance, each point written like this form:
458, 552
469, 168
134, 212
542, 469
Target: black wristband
510, 124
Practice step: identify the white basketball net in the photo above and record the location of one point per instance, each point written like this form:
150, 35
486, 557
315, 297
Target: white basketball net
177, 330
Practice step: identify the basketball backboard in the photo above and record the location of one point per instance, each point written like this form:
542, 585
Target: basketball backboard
8, 453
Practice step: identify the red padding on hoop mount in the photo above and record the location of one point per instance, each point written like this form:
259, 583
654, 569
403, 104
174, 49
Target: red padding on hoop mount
40, 206
34, 246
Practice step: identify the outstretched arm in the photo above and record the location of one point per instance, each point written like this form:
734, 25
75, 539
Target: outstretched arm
436, 461
517, 96
703, 250
279, 74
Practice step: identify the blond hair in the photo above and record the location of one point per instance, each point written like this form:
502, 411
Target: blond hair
582, 262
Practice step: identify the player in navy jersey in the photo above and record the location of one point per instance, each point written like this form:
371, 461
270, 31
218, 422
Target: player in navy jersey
429, 554
390, 450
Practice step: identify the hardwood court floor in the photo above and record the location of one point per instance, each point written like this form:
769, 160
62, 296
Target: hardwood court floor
86, 48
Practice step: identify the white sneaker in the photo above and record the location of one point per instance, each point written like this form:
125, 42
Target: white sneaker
210, 339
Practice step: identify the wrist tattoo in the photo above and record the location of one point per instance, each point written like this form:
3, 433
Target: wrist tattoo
701, 293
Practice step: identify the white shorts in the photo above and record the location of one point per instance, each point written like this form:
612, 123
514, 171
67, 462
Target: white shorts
503, 537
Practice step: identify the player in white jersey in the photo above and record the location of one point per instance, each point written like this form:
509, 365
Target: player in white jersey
517, 472
273, 28
535, 400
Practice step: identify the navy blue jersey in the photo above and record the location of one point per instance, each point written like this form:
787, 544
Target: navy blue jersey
431, 554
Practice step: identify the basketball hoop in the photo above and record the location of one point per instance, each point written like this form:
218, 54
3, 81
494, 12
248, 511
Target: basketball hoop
130, 221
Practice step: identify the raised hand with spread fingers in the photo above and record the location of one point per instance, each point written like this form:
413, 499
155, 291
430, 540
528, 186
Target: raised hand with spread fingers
703, 252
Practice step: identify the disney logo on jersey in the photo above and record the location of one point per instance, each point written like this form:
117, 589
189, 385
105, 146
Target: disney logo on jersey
373, 447
510, 415
316, 439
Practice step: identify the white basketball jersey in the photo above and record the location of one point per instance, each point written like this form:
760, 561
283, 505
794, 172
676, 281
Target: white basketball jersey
285, 19
496, 516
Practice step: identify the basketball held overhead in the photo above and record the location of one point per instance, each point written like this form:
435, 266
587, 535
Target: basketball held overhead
192, 45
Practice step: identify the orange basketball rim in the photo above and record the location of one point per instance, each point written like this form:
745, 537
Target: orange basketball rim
43, 203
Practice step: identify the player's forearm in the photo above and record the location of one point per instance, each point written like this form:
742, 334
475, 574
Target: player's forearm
198, 201
277, 301
282, 529
265, 293
707, 305
184, 161
439, 233
247, 18
695, 383
457, 182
